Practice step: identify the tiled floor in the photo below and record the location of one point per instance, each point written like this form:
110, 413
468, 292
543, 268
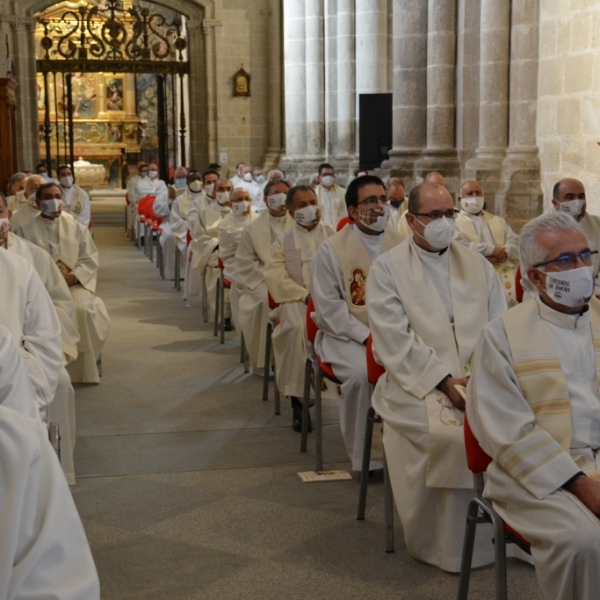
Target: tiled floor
187, 481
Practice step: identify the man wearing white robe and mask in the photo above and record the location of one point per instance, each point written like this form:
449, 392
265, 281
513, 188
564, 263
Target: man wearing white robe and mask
287, 275
71, 246
240, 170
489, 235
250, 258
205, 245
179, 186
203, 192
229, 233
533, 404
76, 201
16, 187
338, 287
398, 205
29, 210
132, 194
330, 196
427, 300
62, 407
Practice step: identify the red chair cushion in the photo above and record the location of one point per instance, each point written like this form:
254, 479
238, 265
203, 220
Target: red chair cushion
127, 198
272, 304
343, 222
517, 535
374, 369
327, 371
220, 262
477, 459
226, 282
188, 237
519, 291
311, 328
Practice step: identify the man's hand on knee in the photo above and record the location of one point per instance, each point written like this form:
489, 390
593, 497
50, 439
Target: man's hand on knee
588, 491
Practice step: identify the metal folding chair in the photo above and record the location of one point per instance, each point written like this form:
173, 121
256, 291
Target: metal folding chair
269, 359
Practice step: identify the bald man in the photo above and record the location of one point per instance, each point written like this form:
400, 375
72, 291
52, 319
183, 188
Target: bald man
435, 177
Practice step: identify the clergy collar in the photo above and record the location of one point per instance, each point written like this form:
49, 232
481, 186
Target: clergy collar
564, 320
438, 254
468, 214
369, 240
275, 219
305, 231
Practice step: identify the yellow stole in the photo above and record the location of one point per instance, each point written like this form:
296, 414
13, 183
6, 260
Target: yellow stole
467, 228
540, 375
356, 264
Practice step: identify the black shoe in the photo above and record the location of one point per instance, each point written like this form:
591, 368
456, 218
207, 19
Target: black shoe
297, 420
227, 326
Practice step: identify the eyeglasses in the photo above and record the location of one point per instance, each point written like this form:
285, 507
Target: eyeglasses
372, 201
568, 261
438, 214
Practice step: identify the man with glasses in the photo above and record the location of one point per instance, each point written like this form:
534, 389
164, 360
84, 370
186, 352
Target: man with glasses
427, 301
330, 196
338, 288
533, 404
568, 196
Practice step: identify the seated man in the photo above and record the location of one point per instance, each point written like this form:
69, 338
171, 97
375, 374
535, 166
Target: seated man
398, 204
179, 185
489, 235
205, 245
62, 407
533, 404
203, 193
29, 210
76, 201
71, 246
44, 552
229, 232
338, 286
330, 196
132, 194
427, 301
287, 275
250, 258
568, 196
241, 169
16, 188
162, 208
256, 189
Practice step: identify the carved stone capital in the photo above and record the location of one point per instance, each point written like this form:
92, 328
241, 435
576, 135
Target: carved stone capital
17, 23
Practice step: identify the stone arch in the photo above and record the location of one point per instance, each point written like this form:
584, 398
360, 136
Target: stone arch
202, 80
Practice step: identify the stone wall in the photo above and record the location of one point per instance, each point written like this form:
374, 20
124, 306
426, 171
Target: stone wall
568, 127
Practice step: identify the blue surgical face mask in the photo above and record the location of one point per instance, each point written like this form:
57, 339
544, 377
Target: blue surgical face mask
181, 182
260, 179
144, 174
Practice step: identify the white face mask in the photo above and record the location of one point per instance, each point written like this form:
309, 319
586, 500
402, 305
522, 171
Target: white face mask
240, 208
472, 204
277, 201
209, 188
21, 196
50, 207
222, 198
66, 181
248, 177
439, 233
571, 207
153, 174
307, 215
571, 288
380, 224
196, 185
4, 225
327, 180
31, 200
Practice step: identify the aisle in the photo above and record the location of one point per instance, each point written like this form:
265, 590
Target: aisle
187, 482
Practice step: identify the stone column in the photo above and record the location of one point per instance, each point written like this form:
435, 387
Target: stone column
315, 114
275, 83
346, 86
410, 86
485, 167
331, 77
130, 108
294, 45
440, 154
520, 197
371, 47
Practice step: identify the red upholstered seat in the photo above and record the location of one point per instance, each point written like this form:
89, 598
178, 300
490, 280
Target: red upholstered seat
374, 369
127, 198
519, 291
343, 222
272, 304
188, 237
226, 281
311, 334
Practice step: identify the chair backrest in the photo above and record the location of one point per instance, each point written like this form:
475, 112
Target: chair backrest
374, 369
342, 223
477, 459
519, 291
311, 327
143, 201
272, 304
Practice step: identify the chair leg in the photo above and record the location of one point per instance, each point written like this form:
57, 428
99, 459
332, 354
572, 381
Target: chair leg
308, 369
276, 394
205, 310
244, 355
319, 418
467, 555
364, 473
151, 247
500, 556
217, 298
177, 284
267, 372
222, 310
388, 503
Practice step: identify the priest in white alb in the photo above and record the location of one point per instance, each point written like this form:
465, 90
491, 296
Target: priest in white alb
205, 245
28, 210
338, 289
71, 246
16, 188
250, 258
427, 301
76, 201
488, 234
132, 194
287, 275
534, 406
330, 196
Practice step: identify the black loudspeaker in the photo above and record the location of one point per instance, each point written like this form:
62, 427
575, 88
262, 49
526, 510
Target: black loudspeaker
374, 129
